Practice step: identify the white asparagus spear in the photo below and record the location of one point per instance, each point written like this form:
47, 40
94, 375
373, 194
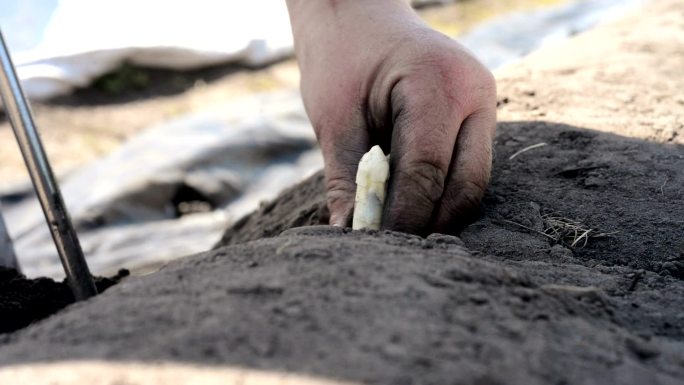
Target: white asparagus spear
371, 186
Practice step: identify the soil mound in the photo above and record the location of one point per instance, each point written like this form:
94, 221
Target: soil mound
538, 299
581, 196
385, 308
23, 300
573, 273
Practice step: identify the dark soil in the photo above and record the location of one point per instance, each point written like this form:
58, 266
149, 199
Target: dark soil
23, 300
392, 308
377, 308
301, 205
631, 190
515, 300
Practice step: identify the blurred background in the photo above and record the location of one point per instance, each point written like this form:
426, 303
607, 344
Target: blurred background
166, 121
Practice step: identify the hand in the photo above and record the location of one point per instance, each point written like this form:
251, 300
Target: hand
374, 73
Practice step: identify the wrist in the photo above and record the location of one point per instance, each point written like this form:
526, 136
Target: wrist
320, 20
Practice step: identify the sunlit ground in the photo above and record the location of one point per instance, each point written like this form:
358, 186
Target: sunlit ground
458, 18
157, 373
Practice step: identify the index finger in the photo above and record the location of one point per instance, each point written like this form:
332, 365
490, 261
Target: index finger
423, 139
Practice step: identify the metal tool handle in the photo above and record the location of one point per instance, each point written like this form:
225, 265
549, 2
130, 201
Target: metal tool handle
47, 189
7, 256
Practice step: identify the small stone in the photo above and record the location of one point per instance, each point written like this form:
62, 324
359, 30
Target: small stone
594, 182
642, 348
445, 239
313, 231
561, 253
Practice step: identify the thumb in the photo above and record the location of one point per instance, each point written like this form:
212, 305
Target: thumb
343, 143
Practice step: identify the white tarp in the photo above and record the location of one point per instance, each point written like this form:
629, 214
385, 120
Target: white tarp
58, 45
505, 40
61, 44
123, 205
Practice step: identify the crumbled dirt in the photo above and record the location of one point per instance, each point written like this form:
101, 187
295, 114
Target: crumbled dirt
378, 308
301, 205
23, 300
628, 192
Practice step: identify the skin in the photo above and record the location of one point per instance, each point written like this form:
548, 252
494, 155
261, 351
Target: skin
374, 73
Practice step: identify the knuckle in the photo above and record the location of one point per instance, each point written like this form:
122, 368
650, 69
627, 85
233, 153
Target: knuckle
471, 194
417, 188
340, 191
465, 81
428, 177
441, 57
324, 125
339, 201
464, 200
487, 87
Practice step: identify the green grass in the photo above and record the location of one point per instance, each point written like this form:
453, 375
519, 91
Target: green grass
123, 79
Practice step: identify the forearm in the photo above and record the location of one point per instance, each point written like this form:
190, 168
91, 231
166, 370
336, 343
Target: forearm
327, 10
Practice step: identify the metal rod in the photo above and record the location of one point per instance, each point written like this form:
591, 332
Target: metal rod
7, 256
63, 233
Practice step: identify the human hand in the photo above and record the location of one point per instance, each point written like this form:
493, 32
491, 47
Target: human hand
374, 73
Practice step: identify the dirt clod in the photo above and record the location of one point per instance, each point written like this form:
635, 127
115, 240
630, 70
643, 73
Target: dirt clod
23, 300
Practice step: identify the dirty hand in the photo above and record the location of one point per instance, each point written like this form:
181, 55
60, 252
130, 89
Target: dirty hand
374, 73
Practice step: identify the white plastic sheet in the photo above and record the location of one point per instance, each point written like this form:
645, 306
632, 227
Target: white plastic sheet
505, 40
61, 44
122, 205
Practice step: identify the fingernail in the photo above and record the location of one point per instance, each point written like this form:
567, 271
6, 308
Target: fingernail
336, 221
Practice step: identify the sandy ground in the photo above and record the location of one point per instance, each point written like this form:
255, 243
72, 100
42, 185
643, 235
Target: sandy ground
573, 274
627, 81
